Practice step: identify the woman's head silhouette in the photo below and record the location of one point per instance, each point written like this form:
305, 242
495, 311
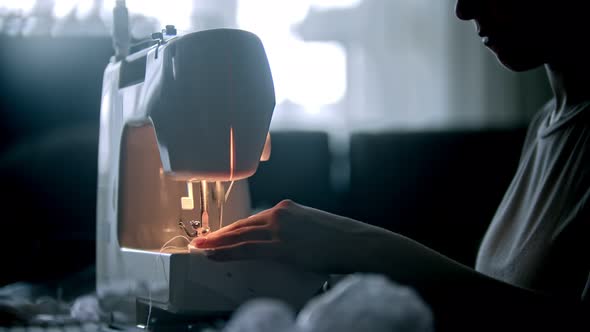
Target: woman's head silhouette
525, 34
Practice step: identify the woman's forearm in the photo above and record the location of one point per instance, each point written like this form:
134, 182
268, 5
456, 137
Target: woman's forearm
410, 262
459, 294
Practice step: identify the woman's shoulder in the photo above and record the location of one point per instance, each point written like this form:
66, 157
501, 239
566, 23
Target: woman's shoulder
537, 121
575, 116
542, 115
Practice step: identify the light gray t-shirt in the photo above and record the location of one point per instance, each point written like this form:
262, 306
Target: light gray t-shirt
540, 235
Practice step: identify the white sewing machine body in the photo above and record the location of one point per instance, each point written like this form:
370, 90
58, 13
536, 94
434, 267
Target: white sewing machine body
192, 108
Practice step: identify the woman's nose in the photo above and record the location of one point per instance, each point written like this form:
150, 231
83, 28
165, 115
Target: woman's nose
466, 9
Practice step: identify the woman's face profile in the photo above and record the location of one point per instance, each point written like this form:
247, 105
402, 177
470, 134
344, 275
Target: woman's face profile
525, 34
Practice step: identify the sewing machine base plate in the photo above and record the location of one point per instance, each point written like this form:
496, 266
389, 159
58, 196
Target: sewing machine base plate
164, 320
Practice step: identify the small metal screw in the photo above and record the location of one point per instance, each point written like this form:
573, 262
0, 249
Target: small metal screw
189, 232
195, 224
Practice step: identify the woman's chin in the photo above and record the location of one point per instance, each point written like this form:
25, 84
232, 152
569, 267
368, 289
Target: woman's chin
517, 61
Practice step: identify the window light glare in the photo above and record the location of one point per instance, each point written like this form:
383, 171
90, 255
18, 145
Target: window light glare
329, 4
64, 7
84, 7
177, 13
310, 74
17, 5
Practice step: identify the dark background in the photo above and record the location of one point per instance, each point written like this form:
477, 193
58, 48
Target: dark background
439, 187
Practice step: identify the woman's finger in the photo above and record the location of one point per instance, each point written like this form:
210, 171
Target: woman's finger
246, 250
254, 220
227, 238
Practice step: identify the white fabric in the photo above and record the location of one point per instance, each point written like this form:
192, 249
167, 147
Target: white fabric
539, 237
357, 303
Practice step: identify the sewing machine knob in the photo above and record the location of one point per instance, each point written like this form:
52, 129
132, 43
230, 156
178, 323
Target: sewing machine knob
157, 36
171, 30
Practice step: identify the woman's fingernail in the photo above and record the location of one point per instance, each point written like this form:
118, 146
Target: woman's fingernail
200, 241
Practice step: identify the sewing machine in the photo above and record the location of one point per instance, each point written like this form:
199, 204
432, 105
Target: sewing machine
183, 124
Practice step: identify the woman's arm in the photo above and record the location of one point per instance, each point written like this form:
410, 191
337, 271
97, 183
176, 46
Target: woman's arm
320, 241
463, 298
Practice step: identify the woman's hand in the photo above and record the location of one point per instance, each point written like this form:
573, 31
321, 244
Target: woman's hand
294, 234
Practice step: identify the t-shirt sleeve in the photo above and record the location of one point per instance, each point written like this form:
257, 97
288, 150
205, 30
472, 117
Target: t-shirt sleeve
585, 216
585, 298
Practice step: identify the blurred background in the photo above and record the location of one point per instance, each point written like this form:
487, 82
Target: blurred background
390, 112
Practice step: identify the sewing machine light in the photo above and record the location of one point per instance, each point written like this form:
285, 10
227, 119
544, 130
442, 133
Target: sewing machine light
267, 148
212, 193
